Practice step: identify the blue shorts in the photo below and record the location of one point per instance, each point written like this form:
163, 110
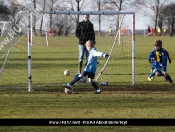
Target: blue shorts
157, 66
163, 68
160, 68
89, 74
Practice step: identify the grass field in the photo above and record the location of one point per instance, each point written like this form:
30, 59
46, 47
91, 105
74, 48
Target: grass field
119, 99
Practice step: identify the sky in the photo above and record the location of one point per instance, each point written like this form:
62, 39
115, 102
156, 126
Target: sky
142, 22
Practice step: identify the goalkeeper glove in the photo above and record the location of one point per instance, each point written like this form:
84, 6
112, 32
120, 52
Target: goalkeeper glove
106, 56
150, 60
170, 61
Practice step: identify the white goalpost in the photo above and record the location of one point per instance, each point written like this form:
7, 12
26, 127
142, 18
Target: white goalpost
107, 13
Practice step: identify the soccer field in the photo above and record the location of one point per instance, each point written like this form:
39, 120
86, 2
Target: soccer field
49, 62
118, 100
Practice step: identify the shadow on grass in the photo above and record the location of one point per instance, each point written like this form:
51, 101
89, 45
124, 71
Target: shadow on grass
112, 88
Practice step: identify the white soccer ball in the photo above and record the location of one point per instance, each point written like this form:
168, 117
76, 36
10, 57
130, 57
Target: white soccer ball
68, 91
66, 72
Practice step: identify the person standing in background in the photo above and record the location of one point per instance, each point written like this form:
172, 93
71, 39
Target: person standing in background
159, 31
109, 31
148, 30
151, 31
84, 32
20, 31
0, 31
171, 31
164, 31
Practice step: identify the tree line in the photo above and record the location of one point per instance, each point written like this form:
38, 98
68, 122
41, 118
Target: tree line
160, 12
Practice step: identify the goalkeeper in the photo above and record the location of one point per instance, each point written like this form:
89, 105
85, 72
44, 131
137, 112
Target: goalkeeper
90, 68
158, 58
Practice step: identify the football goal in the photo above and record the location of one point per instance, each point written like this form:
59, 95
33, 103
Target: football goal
49, 56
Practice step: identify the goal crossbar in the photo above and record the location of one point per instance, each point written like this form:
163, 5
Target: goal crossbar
86, 12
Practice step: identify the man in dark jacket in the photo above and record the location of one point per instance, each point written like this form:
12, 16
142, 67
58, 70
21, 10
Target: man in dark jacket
84, 32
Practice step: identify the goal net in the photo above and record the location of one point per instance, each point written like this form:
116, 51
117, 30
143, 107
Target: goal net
6, 39
50, 54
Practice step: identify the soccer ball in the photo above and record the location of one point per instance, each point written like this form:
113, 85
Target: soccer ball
68, 91
66, 72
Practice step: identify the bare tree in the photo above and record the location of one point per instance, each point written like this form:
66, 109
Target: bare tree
63, 27
51, 5
41, 25
60, 24
118, 5
64, 24
15, 8
51, 9
155, 7
79, 6
78, 9
34, 19
72, 5
99, 5
68, 26
167, 17
4, 11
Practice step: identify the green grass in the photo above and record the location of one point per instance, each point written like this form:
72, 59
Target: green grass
119, 103
118, 100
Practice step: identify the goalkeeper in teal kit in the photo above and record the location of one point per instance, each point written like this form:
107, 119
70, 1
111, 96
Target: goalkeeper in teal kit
90, 68
158, 59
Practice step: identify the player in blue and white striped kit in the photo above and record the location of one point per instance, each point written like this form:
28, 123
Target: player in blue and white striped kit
158, 58
90, 68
